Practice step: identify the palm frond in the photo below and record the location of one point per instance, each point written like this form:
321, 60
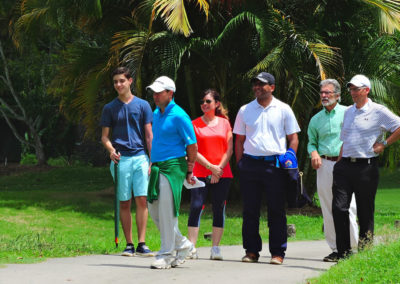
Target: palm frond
174, 14
244, 18
167, 50
390, 14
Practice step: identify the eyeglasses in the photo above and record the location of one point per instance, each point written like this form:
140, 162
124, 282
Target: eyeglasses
326, 92
205, 101
355, 89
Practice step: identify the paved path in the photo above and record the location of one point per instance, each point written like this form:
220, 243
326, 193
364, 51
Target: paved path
303, 260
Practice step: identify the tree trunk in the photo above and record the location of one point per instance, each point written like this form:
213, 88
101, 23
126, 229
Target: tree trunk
38, 146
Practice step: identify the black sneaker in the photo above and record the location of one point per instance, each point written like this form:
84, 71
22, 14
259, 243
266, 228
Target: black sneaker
333, 257
144, 251
129, 251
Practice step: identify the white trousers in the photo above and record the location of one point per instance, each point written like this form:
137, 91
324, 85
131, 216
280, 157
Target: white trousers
324, 188
162, 213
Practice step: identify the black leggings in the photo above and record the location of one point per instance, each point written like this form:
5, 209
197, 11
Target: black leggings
219, 192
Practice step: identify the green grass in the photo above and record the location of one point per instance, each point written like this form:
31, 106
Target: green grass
379, 264
69, 211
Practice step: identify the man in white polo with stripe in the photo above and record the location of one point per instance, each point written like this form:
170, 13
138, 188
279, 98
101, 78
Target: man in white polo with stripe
364, 126
324, 146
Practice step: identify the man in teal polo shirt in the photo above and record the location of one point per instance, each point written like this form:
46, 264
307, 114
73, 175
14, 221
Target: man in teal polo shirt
173, 154
324, 147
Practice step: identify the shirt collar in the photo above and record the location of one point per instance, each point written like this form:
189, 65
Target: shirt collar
365, 107
273, 103
333, 110
168, 108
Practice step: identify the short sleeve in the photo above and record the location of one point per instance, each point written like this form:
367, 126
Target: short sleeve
106, 118
239, 127
147, 113
185, 129
312, 137
291, 125
389, 121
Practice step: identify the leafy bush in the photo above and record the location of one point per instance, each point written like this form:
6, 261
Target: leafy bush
28, 159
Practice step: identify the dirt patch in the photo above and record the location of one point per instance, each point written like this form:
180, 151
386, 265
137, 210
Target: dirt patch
308, 210
17, 169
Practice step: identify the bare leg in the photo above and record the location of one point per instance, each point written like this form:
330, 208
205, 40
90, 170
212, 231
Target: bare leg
193, 233
216, 235
141, 217
126, 219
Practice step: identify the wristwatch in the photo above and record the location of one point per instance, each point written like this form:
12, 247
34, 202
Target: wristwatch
384, 142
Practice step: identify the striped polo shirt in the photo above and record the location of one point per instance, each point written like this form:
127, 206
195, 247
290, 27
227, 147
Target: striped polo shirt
365, 126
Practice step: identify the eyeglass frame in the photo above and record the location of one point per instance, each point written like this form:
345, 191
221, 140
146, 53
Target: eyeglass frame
207, 101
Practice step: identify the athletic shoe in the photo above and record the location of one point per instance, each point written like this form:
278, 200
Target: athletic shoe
216, 253
333, 257
193, 254
129, 251
250, 257
276, 259
144, 250
181, 255
161, 263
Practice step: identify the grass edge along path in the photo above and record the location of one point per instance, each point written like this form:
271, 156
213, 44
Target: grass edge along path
378, 264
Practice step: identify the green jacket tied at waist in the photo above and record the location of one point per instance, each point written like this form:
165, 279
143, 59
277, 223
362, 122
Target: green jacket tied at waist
175, 171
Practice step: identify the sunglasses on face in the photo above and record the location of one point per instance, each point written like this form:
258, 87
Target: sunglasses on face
352, 89
205, 101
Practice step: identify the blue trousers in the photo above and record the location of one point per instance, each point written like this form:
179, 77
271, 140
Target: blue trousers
257, 178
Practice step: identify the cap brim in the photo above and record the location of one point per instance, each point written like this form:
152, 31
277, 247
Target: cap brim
358, 85
259, 79
155, 87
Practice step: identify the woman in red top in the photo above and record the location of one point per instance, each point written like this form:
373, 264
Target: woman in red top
215, 147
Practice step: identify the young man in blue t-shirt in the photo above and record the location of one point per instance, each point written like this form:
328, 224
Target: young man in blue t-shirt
127, 135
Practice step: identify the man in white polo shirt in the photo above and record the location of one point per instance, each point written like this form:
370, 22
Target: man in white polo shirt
364, 126
262, 128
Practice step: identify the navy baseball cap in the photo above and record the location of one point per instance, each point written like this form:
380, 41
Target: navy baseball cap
265, 77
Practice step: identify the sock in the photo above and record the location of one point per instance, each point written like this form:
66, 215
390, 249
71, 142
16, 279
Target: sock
141, 244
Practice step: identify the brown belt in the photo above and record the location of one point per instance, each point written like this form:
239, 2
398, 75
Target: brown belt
334, 159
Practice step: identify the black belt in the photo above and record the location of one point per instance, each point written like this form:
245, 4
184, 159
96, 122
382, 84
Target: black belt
360, 160
262, 158
334, 159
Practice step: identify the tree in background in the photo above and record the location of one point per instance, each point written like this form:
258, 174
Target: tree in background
218, 44
26, 69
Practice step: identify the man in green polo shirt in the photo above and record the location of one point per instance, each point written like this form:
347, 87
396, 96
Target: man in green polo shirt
324, 147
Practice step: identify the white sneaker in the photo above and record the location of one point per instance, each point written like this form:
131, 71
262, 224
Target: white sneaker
216, 253
181, 255
193, 254
162, 263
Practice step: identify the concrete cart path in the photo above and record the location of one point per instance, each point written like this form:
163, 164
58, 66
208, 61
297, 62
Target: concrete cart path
303, 260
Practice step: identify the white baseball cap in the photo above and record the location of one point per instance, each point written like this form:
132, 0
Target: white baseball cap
359, 81
162, 83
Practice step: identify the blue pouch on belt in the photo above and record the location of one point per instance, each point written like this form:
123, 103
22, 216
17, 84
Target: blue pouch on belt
288, 160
